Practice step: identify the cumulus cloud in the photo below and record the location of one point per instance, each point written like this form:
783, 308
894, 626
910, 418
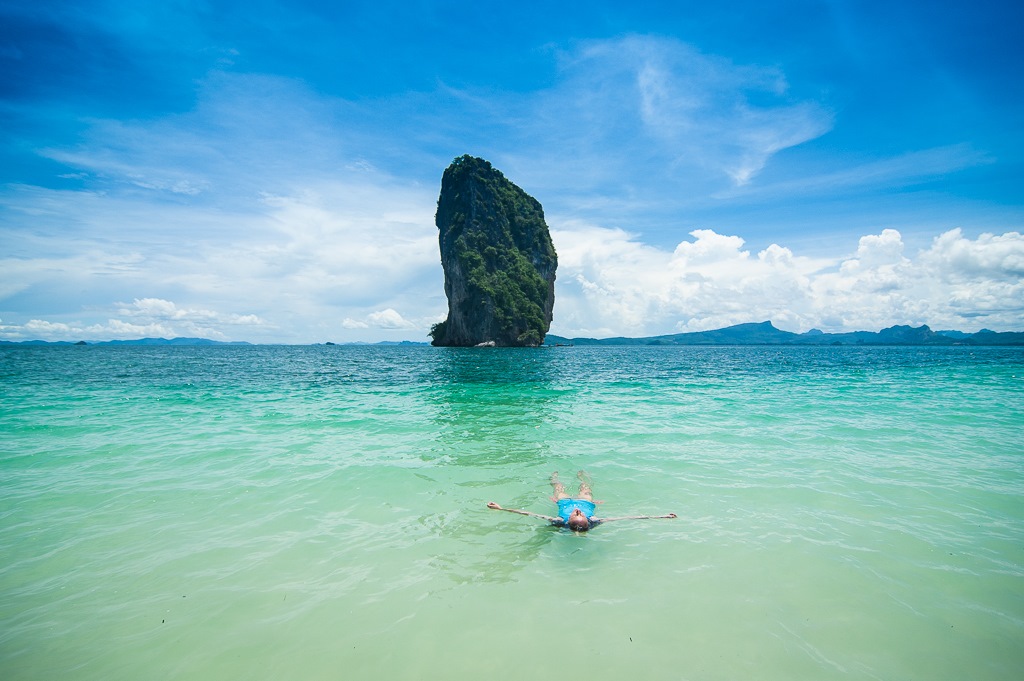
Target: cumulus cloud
142, 318
980, 279
382, 319
167, 311
990, 257
613, 284
389, 319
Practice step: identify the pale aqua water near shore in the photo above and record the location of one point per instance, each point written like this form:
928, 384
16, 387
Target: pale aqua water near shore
319, 513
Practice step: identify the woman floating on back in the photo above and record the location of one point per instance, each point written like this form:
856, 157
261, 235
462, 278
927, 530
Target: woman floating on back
576, 513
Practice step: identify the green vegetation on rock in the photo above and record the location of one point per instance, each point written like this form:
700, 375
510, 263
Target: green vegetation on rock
498, 259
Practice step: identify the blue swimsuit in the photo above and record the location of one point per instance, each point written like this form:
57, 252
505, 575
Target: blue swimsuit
567, 506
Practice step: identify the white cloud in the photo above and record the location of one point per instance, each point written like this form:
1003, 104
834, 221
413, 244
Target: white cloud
612, 284
981, 280
389, 319
167, 311
143, 318
898, 171
615, 285
991, 257
40, 329
700, 106
635, 99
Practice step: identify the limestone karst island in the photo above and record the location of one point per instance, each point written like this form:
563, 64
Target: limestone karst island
498, 259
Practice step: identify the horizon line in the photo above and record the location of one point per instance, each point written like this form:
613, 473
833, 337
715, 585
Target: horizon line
209, 341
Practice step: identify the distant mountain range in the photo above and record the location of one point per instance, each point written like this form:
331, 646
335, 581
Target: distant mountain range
765, 333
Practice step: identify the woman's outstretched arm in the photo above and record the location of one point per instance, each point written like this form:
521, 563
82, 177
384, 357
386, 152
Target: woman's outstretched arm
496, 507
634, 517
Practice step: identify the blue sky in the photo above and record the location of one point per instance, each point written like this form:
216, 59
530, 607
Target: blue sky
268, 171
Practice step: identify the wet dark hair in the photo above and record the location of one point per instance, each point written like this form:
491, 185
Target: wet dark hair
580, 526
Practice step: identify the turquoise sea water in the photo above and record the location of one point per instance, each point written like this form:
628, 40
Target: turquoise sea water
319, 513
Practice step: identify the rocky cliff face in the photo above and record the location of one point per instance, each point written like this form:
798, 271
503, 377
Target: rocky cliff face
499, 262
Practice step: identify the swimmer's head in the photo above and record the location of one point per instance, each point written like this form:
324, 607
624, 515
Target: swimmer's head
578, 522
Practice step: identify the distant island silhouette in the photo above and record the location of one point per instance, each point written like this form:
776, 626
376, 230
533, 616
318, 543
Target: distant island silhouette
765, 333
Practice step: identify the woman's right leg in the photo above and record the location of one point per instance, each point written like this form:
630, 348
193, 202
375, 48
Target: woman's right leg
558, 488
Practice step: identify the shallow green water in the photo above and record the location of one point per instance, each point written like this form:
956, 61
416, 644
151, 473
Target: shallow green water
319, 513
